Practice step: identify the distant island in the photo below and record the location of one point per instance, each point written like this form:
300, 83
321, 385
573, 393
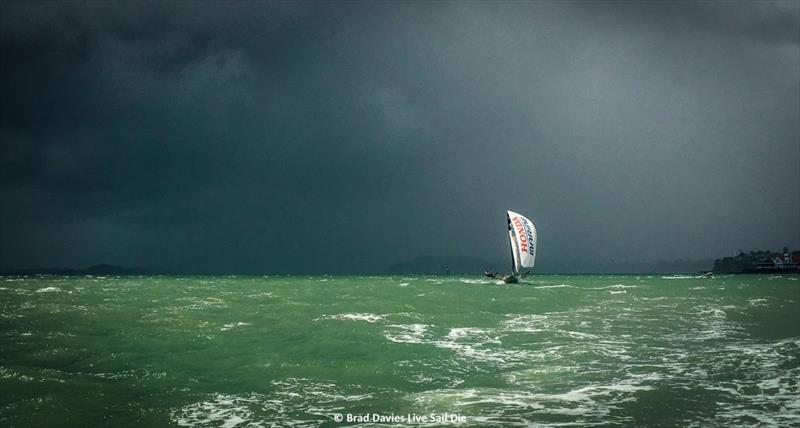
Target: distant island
759, 262
101, 269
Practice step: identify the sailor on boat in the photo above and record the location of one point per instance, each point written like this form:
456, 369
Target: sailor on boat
508, 279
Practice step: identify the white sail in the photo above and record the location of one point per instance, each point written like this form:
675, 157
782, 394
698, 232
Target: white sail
522, 233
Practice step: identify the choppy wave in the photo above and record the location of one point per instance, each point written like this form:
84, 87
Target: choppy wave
293, 402
556, 286
219, 410
233, 325
406, 333
292, 351
612, 286
684, 277
370, 318
505, 406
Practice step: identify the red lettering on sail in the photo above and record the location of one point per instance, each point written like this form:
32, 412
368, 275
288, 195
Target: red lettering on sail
523, 237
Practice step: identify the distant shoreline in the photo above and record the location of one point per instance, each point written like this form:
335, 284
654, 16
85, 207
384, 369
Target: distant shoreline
429, 266
101, 269
144, 272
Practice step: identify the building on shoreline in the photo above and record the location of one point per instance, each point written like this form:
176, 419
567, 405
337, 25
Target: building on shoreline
759, 262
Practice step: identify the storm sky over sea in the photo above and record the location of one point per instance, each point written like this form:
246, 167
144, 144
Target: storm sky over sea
342, 137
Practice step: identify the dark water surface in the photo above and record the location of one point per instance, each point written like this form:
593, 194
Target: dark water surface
297, 351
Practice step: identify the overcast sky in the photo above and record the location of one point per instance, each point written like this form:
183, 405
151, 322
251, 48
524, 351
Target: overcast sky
343, 137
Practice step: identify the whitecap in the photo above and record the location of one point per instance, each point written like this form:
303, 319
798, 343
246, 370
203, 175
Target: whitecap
612, 286
532, 323
227, 327
716, 313
370, 318
556, 286
317, 392
476, 281
580, 335
48, 290
501, 357
207, 303
475, 335
594, 400
466, 342
223, 410
406, 333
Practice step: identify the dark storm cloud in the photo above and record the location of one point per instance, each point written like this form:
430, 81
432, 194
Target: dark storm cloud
343, 137
770, 22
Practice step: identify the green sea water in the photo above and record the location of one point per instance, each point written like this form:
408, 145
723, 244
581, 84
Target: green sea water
399, 351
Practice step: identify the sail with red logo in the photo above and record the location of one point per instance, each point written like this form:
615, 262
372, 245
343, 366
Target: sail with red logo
522, 234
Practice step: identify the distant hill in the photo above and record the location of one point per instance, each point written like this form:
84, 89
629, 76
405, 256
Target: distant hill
440, 265
475, 266
623, 267
102, 269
